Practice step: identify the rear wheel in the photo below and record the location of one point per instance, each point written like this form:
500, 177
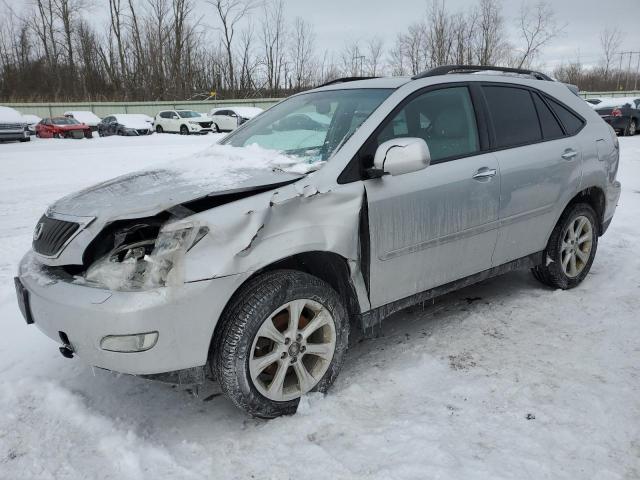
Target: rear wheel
184, 130
159, 129
571, 248
284, 334
631, 128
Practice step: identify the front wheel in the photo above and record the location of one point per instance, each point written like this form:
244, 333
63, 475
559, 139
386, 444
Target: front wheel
184, 130
159, 129
571, 248
284, 334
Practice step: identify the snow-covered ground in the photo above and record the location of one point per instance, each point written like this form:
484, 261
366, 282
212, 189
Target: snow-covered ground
504, 380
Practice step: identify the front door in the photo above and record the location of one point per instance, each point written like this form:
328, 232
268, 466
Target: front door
439, 224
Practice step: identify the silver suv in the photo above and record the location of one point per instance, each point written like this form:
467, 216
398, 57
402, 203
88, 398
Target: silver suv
328, 212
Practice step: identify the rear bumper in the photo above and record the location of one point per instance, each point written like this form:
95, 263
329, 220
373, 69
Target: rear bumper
617, 123
13, 134
184, 317
613, 195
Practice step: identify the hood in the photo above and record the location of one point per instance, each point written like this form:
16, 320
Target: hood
221, 169
135, 123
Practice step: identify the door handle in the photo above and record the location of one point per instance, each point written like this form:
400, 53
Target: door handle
569, 154
485, 173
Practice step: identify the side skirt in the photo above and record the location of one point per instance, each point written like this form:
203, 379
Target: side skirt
371, 320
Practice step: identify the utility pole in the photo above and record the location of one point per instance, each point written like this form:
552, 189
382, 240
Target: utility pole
626, 77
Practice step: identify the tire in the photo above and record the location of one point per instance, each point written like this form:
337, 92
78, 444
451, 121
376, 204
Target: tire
552, 272
256, 306
159, 129
216, 129
27, 139
631, 129
120, 133
184, 130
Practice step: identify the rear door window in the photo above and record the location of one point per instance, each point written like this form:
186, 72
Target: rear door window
551, 129
572, 123
514, 116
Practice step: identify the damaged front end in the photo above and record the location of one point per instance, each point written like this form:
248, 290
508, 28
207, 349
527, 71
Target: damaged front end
145, 256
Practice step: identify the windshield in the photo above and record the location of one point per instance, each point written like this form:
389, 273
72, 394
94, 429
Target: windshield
64, 121
310, 126
188, 114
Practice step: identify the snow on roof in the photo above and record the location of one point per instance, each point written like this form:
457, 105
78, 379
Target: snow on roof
9, 115
246, 112
30, 118
84, 116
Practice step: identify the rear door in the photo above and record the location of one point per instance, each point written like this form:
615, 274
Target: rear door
439, 224
540, 162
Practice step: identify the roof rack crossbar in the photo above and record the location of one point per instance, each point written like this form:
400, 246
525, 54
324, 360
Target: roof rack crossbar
445, 69
345, 79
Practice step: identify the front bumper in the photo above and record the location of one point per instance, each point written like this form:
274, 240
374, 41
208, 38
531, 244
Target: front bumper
184, 316
193, 128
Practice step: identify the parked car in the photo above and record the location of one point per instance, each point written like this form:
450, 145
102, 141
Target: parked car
229, 118
623, 114
253, 265
184, 122
127, 124
85, 116
12, 126
62, 127
31, 121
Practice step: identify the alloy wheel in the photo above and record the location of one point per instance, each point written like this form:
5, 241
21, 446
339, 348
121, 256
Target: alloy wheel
577, 242
292, 350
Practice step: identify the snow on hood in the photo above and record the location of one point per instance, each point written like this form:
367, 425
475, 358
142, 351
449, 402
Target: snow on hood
219, 168
84, 116
134, 120
9, 115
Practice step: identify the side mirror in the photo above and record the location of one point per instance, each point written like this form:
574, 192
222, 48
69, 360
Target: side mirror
402, 155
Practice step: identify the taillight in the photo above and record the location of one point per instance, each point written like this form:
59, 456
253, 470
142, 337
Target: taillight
616, 112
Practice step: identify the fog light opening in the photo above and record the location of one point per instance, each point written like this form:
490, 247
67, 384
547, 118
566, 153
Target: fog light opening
138, 342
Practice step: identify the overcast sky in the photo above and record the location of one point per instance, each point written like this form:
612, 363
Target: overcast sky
336, 22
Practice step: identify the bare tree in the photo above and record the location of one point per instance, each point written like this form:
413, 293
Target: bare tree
374, 56
610, 40
537, 26
273, 40
490, 45
230, 14
302, 53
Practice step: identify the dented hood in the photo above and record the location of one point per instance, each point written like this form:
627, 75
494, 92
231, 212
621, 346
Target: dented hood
145, 193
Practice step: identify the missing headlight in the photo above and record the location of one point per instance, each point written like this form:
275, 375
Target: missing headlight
147, 264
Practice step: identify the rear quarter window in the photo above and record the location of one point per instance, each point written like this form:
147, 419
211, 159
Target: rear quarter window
572, 123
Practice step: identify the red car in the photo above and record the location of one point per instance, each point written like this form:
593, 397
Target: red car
62, 127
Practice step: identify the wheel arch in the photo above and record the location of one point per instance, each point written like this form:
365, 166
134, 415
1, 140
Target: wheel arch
328, 266
595, 197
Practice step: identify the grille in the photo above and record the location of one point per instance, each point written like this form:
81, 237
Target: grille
205, 124
11, 126
142, 132
53, 236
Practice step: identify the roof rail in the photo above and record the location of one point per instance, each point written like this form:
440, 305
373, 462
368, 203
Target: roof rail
344, 79
445, 69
